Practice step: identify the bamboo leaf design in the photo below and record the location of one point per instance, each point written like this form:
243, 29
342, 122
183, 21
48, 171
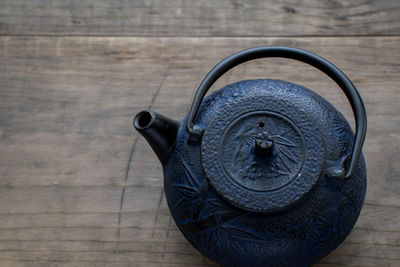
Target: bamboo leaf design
243, 253
250, 140
245, 152
287, 153
188, 191
283, 141
190, 177
203, 207
284, 163
208, 242
242, 233
229, 239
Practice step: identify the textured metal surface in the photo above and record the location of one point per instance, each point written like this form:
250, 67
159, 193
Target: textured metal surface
297, 236
228, 155
297, 54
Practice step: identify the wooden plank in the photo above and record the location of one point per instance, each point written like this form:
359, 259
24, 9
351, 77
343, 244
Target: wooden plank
199, 18
79, 187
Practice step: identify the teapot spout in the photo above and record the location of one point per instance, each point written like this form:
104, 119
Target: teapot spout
159, 131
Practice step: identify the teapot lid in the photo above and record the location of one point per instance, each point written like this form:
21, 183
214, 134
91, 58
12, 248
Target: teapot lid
262, 152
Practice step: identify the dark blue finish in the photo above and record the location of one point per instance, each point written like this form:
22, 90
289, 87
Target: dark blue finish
263, 172
305, 228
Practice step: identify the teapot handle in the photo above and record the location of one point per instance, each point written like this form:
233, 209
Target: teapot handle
297, 54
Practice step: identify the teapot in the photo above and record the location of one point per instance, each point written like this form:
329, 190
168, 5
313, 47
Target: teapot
262, 172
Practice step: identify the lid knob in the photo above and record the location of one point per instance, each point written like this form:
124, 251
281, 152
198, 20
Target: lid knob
264, 145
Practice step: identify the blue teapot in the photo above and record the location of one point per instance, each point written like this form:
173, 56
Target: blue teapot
262, 172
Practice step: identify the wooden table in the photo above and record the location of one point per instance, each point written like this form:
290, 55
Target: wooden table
80, 187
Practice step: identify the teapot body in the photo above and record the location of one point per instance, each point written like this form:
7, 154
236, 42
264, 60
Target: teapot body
263, 172
298, 233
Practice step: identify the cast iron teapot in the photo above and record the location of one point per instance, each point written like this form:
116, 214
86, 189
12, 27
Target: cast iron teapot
262, 172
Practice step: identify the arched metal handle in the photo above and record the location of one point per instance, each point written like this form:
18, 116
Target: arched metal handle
297, 54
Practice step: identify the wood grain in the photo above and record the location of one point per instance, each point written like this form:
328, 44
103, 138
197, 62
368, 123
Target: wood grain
200, 18
79, 187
